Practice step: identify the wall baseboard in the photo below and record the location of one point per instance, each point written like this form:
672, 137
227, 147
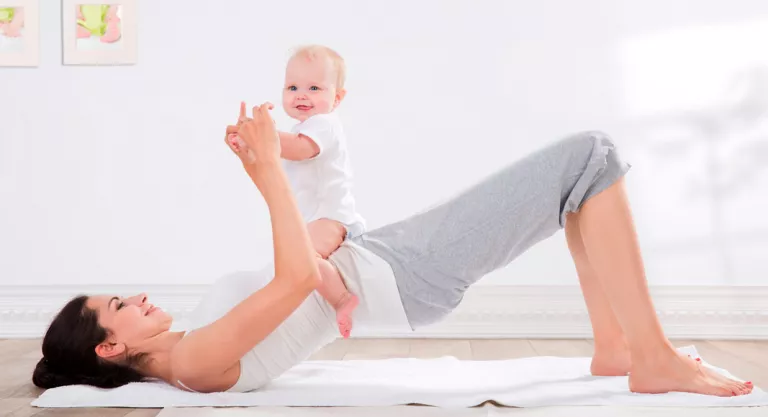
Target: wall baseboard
488, 311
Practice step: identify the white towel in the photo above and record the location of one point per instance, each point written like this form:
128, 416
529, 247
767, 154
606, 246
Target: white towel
442, 382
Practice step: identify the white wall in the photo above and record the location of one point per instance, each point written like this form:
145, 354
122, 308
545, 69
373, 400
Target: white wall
119, 174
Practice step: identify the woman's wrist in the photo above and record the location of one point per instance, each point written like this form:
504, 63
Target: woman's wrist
260, 171
269, 177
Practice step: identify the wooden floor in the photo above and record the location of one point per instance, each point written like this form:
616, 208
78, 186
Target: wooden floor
746, 359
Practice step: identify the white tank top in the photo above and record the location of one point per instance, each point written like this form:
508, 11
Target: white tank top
313, 324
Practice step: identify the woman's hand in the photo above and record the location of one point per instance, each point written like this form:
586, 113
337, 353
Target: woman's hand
260, 134
236, 143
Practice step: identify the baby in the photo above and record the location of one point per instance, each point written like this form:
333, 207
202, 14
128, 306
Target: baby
316, 160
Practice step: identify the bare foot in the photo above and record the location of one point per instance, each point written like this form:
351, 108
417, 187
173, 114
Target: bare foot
611, 361
744, 387
344, 310
671, 371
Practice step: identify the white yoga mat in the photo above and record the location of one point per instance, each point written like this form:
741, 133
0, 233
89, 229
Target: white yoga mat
442, 382
485, 411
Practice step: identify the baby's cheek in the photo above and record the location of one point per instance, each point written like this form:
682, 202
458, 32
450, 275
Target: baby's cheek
325, 105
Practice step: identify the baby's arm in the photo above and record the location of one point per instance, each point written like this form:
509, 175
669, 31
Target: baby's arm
312, 138
297, 147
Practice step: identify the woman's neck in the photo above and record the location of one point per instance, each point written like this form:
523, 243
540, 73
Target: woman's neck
160, 349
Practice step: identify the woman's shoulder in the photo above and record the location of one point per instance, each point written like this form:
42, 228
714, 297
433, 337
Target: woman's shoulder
186, 375
223, 294
311, 326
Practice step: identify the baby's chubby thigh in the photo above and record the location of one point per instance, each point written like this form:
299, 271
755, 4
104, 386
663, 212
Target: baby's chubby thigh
326, 236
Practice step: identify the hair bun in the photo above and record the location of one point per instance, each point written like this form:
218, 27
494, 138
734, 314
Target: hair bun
43, 377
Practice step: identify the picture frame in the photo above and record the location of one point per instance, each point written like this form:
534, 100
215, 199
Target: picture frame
19, 33
99, 32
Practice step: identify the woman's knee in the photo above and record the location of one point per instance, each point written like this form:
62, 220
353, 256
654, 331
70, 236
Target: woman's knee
588, 140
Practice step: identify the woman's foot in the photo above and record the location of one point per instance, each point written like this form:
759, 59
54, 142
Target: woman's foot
670, 370
744, 387
344, 309
611, 360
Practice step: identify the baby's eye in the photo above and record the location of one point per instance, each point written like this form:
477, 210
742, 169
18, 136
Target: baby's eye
292, 88
314, 88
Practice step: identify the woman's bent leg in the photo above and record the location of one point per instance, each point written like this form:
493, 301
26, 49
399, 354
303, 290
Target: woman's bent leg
437, 254
611, 244
611, 356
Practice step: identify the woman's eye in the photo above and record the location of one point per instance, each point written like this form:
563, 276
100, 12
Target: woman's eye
120, 305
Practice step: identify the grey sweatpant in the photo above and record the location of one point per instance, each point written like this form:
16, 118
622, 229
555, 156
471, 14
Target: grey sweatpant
437, 254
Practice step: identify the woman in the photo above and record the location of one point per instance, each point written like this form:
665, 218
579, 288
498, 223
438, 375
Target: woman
253, 327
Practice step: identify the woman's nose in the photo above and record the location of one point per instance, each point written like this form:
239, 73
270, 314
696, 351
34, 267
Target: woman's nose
139, 299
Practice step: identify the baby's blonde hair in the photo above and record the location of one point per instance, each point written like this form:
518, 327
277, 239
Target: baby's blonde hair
317, 51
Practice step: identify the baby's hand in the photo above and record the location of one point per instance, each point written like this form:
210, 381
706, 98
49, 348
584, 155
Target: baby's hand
240, 148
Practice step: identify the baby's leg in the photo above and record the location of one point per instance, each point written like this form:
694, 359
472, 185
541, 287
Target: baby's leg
326, 236
337, 295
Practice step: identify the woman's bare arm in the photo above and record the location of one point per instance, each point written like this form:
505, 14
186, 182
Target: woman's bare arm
213, 349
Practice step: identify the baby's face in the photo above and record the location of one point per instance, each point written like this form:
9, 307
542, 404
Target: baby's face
310, 87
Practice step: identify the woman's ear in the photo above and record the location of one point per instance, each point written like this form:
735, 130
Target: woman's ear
108, 350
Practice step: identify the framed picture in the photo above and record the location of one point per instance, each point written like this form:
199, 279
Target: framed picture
19, 33
99, 32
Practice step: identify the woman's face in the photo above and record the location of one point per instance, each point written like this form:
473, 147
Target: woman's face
130, 321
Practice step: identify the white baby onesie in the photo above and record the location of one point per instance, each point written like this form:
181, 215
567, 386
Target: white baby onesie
323, 184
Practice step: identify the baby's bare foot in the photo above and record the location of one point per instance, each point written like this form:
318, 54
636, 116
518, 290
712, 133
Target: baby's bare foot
674, 371
344, 309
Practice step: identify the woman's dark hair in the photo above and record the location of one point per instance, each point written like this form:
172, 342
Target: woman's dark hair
69, 352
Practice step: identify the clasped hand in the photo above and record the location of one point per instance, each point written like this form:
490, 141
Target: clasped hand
254, 140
